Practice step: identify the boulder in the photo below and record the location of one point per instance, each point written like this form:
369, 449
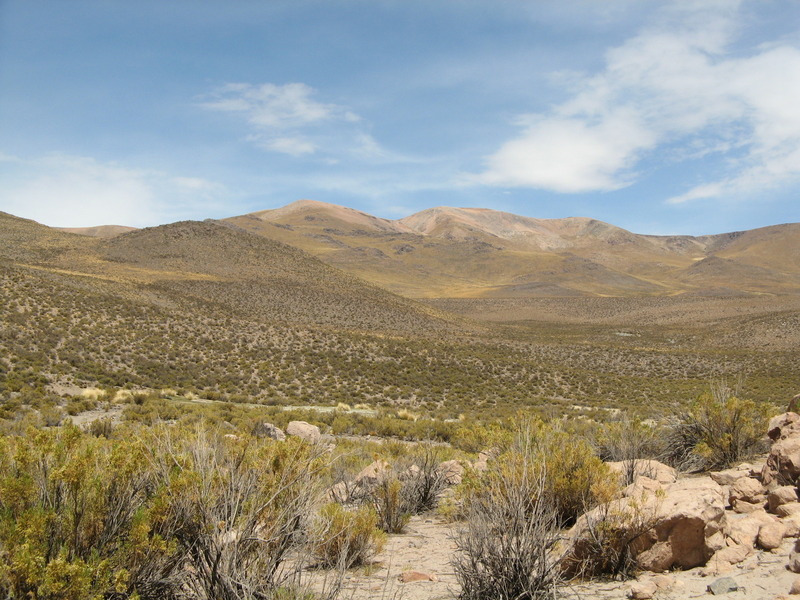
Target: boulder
642, 486
645, 468
792, 525
783, 462
303, 430
741, 507
771, 535
782, 426
788, 509
747, 489
450, 471
270, 431
372, 474
683, 527
729, 476
784, 494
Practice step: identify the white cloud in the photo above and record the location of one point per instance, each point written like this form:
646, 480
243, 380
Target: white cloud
274, 106
74, 191
678, 87
283, 117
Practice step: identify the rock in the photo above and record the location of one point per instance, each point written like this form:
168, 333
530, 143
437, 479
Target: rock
372, 474
716, 567
795, 589
642, 590
663, 582
724, 585
781, 495
411, 576
792, 525
451, 472
783, 462
743, 529
771, 535
747, 489
484, 457
270, 431
788, 509
682, 528
741, 507
729, 476
646, 468
783, 426
303, 430
733, 554
642, 486
794, 558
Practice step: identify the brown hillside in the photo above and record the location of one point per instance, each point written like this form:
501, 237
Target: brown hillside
101, 231
471, 252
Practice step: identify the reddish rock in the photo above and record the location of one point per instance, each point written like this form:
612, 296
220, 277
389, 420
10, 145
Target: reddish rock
411, 576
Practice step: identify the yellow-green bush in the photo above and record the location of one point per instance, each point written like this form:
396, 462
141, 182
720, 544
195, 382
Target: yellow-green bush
342, 538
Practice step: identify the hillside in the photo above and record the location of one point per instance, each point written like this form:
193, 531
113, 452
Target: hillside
208, 308
219, 266
469, 252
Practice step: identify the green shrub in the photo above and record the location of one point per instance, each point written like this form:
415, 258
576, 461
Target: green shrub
342, 538
718, 430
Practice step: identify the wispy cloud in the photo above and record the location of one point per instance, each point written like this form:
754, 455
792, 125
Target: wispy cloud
286, 118
74, 191
675, 91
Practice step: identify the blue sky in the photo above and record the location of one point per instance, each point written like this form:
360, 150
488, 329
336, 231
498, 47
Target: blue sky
660, 117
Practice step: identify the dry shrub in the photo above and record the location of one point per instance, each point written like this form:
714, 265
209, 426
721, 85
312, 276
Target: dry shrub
506, 547
607, 537
342, 538
412, 486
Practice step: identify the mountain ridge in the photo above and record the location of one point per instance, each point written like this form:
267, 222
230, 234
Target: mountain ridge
468, 252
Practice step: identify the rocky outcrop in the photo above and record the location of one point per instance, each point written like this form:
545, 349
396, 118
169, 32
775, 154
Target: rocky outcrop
783, 463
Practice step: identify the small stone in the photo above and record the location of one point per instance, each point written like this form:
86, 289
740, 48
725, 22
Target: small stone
411, 576
794, 558
663, 582
795, 589
643, 590
724, 585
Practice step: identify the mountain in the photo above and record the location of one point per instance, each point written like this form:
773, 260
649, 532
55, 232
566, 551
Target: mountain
102, 231
217, 267
471, 252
